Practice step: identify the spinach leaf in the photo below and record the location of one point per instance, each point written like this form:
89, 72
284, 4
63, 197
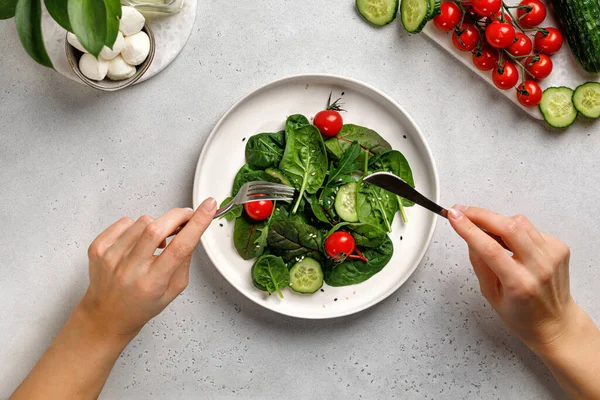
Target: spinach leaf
234, 213
269, 273
327, 203
304, 160
247, 174
352, 272
393, 161
347, 165
294, 122
265, 150
367, 139
294, 240
319, 211
365, 235
376, 206
245, 235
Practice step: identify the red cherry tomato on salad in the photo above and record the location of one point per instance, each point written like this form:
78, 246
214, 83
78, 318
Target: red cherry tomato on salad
539, 69
533, 15
468, 38
339, 242
486, 8
506, 76
549, 43
449, 16
497, 17
259, 210
487, 59
329, 122
522, 46
500, 34
529, 94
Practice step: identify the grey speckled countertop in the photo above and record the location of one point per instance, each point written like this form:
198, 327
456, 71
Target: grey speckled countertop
74, 160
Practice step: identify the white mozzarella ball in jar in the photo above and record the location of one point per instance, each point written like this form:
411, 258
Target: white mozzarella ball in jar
92, 67
132, 21
73, 41
108, 54
136, 48
119, 70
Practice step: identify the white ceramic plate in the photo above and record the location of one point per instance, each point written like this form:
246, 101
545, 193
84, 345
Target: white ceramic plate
566, 71
265, 110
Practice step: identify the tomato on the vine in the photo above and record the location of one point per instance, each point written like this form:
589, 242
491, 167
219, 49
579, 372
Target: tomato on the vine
449, 16
541, 68
259, 210
486, 8
521, 47
529, 93
548, 41
531, 13
329, 121
497, 17
486, 59
339, 243
505, 76
468, 38
500, 34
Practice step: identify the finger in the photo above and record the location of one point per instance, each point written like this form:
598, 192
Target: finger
179, 279
487, 248
107, 238
184, 243
156, 232
488, 280
517, 232
128, 240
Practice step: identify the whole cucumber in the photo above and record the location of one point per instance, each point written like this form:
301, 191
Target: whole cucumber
580, 20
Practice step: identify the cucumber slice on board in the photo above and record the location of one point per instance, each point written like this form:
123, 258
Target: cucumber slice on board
557, 107
414, 14
306, 276
586, 99
378, 12
345, 202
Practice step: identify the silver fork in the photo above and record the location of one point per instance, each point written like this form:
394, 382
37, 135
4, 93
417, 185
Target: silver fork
256, 191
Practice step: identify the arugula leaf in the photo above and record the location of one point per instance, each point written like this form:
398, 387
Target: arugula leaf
7, 8
28, 16
58, 11
269, 273
88, 20
113, 15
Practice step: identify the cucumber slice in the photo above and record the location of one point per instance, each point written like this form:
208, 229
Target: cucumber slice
586, 99
557, 106
277, 174
345, 202
306, 276
378, 12
414, 14
434, 9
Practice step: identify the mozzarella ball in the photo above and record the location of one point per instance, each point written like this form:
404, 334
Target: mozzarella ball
108, 54
118, 69
132, 21
73, 41
93, 68
136, 48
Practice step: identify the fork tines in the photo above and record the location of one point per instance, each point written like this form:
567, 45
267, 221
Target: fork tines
268, 188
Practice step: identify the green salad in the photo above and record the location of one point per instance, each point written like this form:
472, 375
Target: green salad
336, 229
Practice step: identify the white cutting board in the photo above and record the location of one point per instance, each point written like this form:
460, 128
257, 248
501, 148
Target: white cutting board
566, 72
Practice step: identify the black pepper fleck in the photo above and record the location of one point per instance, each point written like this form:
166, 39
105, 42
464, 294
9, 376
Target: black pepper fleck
322, 291
334, 299
400, 237
244, 139
221, 225
404, 136
343, 93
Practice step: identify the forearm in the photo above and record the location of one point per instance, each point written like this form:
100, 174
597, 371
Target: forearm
574, 358
77, 363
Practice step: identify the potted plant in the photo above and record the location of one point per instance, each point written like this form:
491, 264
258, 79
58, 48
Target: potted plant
94, 22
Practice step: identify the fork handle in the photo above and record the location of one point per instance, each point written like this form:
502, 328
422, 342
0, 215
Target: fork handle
444, 213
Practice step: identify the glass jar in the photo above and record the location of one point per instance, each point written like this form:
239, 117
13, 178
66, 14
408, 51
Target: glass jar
159, 6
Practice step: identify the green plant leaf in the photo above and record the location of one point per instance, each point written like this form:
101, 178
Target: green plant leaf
28, 15
88, 19
113, 14
58, 11
7, 8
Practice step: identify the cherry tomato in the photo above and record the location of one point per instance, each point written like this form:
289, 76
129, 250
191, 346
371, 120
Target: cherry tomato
339, 242
521, 47
449, 16
532, 16
259, 210
533, 97
487, 59
548, 43
539, 69
500, 34
329, 122
469, 10
498, 18
506, 76
486, 8
469, 38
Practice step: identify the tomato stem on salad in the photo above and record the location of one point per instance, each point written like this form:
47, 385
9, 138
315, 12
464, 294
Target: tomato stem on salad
335, 106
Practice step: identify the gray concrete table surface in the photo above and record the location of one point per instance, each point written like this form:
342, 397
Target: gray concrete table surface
73, 160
